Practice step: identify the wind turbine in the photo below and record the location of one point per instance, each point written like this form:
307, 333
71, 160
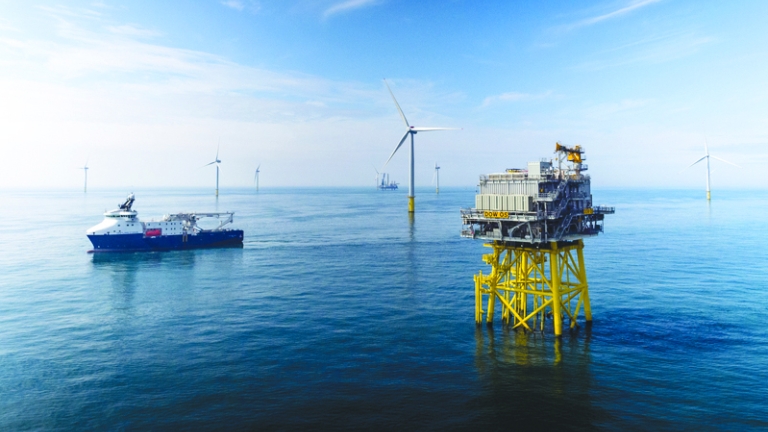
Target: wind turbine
377, 176
256, 177
85, 171
707, 156
217, 162
409, 130
436, 178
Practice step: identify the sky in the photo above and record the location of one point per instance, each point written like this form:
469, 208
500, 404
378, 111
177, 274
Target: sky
145, 91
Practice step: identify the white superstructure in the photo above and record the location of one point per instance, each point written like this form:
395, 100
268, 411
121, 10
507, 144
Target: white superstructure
124, 220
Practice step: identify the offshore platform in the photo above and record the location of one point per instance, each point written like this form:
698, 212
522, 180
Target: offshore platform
535, 220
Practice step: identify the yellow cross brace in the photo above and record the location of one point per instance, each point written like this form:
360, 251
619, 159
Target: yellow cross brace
545, 280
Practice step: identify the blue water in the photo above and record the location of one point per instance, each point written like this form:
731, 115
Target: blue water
339, 313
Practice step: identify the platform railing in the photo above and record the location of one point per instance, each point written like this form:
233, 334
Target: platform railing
604, 210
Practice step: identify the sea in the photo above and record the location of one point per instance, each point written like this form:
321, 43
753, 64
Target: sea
342, 313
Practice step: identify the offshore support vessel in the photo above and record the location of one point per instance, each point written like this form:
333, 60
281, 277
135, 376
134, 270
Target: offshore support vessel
534, 220
122, 231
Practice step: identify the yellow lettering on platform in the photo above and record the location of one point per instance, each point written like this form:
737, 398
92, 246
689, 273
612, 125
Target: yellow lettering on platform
496, 214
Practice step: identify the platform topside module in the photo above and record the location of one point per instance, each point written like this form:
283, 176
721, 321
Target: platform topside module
534, 221
551, 201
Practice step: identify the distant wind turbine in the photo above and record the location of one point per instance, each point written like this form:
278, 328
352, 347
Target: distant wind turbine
410, 130
707, 156
377, 176
436, 179
85, 171
256, 177
217, 162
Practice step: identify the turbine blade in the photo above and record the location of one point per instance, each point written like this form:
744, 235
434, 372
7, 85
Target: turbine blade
217, 149
397, 105
208, 164
702, 158
377, 171
395, 150
257, 168
723, 160
428, 129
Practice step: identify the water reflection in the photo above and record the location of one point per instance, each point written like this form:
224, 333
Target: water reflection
533, 380
131, 261
526, 348
412, 263
124, 268
411, 226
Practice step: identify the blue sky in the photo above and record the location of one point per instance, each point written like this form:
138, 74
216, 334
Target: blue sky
145, 90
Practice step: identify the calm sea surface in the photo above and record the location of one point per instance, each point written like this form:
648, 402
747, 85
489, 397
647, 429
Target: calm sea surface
339, 313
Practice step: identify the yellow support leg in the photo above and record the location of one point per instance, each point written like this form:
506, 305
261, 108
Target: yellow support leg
547, 280
554, 268
411, 204
583, 279
479, 298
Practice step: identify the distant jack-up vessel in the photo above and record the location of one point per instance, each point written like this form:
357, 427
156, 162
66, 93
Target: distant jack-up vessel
385, 183
122, 231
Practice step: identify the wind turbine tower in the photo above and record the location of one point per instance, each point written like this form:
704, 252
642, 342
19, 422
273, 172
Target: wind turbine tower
409, 130
85, 171
707, 156
437, 179
256, 177
217, 162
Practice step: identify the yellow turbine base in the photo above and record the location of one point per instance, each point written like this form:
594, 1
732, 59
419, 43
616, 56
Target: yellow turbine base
709, 196
533, 285
411, 204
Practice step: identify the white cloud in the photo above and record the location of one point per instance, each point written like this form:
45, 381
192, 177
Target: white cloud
347, 6
6, 25
610, 15
116, 97
656, 49
234, 4
132, 30
607, 110
239, 5
516, 97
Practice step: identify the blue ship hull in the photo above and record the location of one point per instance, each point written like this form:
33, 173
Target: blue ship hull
140, 242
